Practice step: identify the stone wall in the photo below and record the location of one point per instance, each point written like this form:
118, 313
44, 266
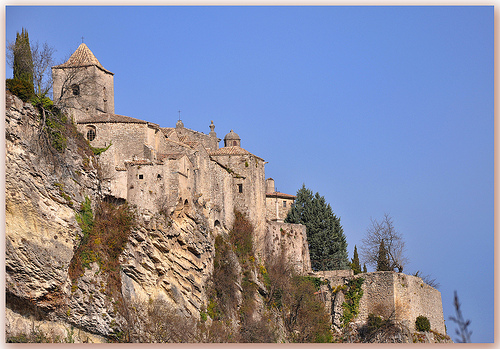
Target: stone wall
290, 238
413, 297
392, 295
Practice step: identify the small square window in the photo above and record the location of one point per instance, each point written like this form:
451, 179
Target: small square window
240, 188
141, 176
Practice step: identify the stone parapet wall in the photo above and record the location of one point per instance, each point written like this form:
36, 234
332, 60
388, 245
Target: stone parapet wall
413, 297
392, 295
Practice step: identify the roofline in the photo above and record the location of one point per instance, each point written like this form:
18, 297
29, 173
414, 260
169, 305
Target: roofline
280, 195
61, 66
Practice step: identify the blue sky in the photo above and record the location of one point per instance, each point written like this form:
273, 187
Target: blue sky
379, 109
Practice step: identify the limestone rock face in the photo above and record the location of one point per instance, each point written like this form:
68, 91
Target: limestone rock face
42, 190
170, 258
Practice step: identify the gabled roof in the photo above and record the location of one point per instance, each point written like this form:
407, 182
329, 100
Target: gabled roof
114, 118
82, 57
233, 150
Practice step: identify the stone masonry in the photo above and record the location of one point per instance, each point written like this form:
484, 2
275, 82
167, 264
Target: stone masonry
392, 295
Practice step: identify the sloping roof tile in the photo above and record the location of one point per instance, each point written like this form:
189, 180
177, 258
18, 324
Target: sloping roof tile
100, 118
234, 150
277, 194
82, 57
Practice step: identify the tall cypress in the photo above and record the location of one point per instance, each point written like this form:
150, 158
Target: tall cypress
355, 266
327, 242
23, 61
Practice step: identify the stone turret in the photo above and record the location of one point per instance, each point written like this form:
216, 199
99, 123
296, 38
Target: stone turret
232, 140
82, 86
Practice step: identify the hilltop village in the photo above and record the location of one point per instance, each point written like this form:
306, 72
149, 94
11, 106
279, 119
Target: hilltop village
186, 191
167, 168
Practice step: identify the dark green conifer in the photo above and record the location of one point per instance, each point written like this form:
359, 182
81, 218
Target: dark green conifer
23, 62
355, 266
327, 243
383, 260
364, 268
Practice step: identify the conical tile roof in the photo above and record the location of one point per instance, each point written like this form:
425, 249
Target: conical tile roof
82, 57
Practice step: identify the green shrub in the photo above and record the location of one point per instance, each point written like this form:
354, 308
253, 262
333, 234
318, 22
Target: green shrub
20, 88
374, 321
352, 297
99, 151
241, 236
422, 324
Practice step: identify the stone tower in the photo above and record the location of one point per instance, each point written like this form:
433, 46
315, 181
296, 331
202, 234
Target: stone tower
82, 86
248, 180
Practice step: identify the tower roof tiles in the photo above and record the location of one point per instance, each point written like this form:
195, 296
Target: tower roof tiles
233, 150
82, 57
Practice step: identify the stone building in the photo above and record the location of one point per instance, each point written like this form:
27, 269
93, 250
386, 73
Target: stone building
277, 204
168, 169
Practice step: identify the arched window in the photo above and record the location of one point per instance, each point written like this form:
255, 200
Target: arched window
91, 133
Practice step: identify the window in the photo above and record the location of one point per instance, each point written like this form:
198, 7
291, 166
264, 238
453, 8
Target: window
240, 188
158, 176
76, 90
91, 134
235, 143
141, 176
284, 203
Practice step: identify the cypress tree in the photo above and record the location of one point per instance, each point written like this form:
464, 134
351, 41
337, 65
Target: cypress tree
327, 242
383, 260
22, 83
23, 62
355, 266
364, 268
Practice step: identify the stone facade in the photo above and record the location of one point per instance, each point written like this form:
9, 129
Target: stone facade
277, 204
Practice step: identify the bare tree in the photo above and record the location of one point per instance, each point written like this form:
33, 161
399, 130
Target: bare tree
394, 244
463, 330
42, 61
